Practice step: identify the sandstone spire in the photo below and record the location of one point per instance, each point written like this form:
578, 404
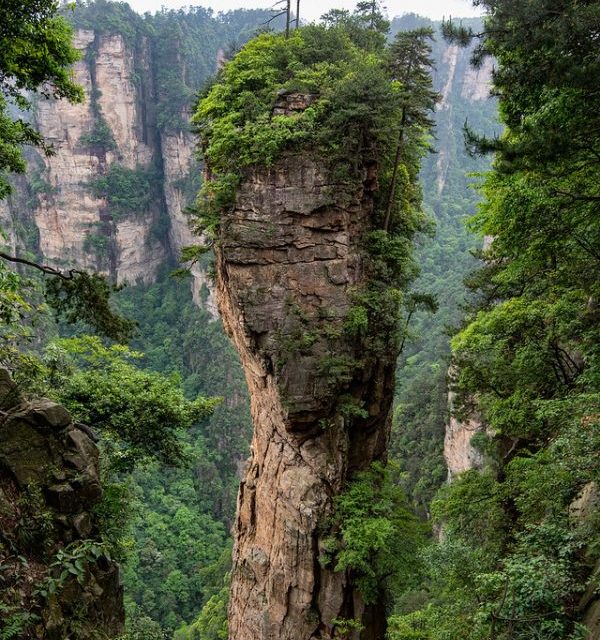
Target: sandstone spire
290, 260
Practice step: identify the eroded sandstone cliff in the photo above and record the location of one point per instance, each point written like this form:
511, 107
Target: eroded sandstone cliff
75, 223
288, 262
71, 217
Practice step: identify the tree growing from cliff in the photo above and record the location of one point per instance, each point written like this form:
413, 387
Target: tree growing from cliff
410, 64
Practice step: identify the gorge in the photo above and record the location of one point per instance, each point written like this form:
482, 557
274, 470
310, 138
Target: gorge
345, 522
111, 198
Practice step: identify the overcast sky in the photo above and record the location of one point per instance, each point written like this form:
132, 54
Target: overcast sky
312, 9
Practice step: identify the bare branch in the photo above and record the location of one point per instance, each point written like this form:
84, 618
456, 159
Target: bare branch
46, 269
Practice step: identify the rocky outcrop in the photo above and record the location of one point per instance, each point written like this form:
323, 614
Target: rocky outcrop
289, 260
115, 125
181, 173
57, 580
68, 212
460, 455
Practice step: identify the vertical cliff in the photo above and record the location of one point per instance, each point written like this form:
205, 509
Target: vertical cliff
111, 196
313, 206
289, 257
76, 218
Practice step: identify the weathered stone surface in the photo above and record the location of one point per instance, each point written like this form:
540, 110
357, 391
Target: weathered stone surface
10, 396
178, 165
587, 502
49, 484
459, 453
119, 84
288, 261
68, 211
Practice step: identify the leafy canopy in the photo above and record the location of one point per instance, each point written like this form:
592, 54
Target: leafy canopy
515, 558
140, 414
351, 101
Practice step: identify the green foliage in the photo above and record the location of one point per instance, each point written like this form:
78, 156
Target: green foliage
444, 259
14, 307
351, 101
141, 627
515, 556
140, 413
211, 624
344, 627
33, 529
100, 135
35, 55
15, 623
71, 563
177, 336
113, 515
108, 17
186, 46
84, 297
377, 536
97, 243
128, 192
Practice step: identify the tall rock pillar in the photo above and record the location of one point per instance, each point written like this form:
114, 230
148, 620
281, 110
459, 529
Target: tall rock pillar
289, 263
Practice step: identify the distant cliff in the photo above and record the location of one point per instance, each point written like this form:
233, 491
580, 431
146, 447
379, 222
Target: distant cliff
112, 195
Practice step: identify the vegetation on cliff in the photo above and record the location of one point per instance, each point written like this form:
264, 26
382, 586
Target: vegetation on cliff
361, 104
361, 110
521, 540
517, 550
35, 59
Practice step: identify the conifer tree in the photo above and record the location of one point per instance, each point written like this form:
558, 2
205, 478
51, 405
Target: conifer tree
410, 64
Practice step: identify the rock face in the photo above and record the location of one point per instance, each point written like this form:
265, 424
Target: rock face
69, 215
288, 260
49, 485
69, 222
459, 453
56, 211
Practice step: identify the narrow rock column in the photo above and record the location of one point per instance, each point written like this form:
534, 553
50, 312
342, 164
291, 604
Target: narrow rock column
289, 261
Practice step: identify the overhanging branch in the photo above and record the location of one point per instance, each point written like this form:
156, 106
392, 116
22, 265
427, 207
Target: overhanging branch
44, 268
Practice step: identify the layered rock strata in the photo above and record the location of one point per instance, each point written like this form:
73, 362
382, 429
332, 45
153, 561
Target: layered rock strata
68, 213
289, 261
115, 125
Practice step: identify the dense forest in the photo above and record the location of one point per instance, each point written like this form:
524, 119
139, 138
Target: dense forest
499, 308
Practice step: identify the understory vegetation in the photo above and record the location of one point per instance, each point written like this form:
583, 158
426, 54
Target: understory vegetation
520, 538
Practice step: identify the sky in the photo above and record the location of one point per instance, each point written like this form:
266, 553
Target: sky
312, 9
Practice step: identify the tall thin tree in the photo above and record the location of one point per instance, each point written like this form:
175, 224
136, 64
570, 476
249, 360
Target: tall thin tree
410, 63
